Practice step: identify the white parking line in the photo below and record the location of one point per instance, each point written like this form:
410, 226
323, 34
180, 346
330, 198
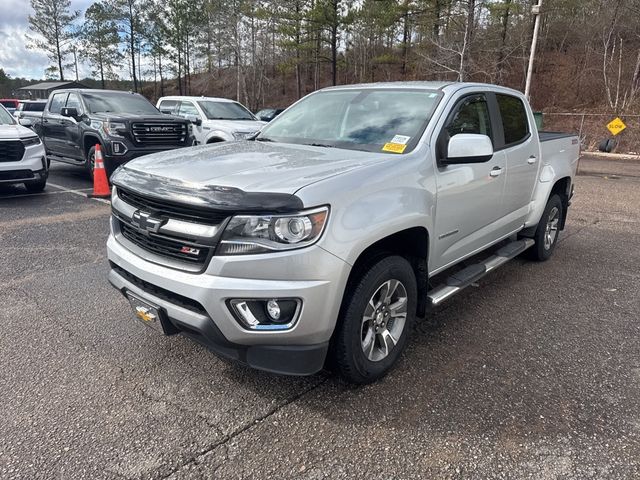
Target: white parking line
78, 192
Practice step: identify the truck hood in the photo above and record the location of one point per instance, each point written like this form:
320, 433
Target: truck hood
15, 132
195, 174
234, 125
115, 117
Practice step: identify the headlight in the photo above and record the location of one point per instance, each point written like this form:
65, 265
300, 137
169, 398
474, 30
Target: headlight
272, 233
114, 129
242, 135
28, 142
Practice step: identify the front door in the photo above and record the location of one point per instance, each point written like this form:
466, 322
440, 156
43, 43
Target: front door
469, 196
52, 128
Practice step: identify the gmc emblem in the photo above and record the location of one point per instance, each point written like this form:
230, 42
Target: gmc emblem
160, 129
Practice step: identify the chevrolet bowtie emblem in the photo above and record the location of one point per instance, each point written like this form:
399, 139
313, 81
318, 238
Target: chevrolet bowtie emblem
145, 222
144, 314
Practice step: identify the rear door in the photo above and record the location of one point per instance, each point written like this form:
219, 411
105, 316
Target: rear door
521, 147
53, 131
469, 196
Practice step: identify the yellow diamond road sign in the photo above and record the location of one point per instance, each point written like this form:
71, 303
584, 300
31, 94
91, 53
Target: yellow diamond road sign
616, 125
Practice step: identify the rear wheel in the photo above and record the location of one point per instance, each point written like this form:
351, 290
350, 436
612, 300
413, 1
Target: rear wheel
376, 318
548, 230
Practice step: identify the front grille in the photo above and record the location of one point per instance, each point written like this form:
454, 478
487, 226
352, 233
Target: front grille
11, 151
159, 133
165, 246
171, 210
159, 292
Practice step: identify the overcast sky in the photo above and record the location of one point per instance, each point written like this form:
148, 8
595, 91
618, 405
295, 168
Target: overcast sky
15, 58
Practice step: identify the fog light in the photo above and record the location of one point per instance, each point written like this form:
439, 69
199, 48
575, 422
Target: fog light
263, 314
118, 148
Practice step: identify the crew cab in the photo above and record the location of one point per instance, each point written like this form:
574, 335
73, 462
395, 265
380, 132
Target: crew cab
22, 158
214, 119
125, 125
350, 215
31, 109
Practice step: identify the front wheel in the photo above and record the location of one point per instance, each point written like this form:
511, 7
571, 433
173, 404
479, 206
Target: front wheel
548, 230
376, 318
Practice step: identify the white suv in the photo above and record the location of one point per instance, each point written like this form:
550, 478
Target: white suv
22, 158
214, 119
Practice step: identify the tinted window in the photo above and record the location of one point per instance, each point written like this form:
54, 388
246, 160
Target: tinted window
113, 102
32, 107
168, 105
57, 102
9, 103
74, 102
472, 116
514, 118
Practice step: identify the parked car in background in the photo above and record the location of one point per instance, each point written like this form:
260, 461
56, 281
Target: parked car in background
347, 217
125, 124
31, 109
214, 119
11, 104
268, 114
22, 158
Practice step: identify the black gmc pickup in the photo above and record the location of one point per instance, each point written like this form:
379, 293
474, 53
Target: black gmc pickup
126, 125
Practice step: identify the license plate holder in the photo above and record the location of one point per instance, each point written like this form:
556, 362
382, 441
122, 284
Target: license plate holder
147, 313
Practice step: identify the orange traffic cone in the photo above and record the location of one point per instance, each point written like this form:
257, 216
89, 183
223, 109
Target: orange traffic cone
100, 183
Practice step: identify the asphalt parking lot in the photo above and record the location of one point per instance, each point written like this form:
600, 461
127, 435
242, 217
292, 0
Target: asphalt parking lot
534, 374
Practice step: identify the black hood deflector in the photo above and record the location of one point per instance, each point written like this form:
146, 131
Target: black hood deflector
210, 197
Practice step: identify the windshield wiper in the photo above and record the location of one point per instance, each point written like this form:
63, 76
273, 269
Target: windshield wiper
264, 139
320, 145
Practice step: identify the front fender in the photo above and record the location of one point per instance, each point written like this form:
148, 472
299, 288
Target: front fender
226, 136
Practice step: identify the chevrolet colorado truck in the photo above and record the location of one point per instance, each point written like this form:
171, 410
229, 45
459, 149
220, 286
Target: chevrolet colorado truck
355, 211
125, 125
22, 158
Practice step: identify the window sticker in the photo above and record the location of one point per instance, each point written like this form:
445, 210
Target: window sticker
394, 147
401, 139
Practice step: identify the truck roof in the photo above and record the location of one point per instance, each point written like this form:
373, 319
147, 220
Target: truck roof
92, 90
427, 85
185, 97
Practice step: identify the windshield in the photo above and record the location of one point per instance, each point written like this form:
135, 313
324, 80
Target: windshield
5, 117
118, 103
225, 110
389, 120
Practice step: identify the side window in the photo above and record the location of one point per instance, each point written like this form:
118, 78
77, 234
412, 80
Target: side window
187, 108
514, 118
74, 101
57, 102
471, 116
168, 106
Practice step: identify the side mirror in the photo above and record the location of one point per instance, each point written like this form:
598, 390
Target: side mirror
264, 118
468, 148
197, 121
166, 111
26, 122
71, 112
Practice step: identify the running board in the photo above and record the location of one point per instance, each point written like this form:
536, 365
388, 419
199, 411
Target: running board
465, 277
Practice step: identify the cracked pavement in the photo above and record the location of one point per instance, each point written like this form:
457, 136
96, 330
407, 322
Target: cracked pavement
533, 374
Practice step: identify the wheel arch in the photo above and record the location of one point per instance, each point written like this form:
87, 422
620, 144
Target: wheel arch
88, 141
412, 244
562, 188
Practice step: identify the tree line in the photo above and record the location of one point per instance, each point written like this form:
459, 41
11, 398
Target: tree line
266, 51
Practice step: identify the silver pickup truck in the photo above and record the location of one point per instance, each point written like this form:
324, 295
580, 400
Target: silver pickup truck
322, 239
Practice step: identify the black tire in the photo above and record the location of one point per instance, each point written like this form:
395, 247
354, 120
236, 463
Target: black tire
89, 164
347, 350
543, 248
37, 186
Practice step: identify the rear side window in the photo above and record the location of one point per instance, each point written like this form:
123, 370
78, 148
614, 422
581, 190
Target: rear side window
514, 119
57, 102
33, 107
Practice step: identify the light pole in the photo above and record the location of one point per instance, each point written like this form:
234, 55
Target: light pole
534, 42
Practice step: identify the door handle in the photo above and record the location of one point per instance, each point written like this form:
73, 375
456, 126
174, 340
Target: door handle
44, 120
531, 160
495, 172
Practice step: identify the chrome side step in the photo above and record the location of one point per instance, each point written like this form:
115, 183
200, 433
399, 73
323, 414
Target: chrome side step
465, 277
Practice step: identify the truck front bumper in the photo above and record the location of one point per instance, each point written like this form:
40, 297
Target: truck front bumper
196, 304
